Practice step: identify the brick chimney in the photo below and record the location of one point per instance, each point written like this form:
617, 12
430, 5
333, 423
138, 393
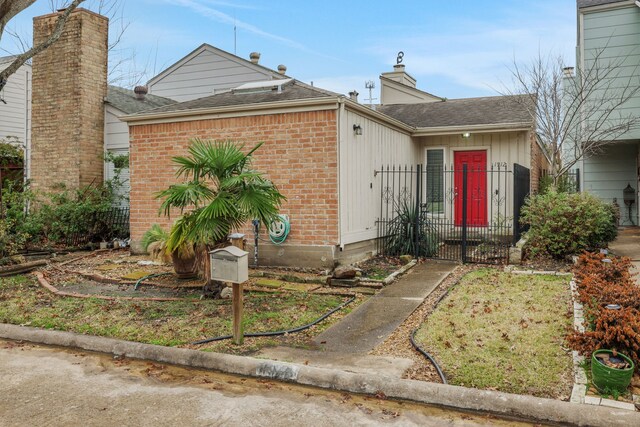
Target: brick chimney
69, 87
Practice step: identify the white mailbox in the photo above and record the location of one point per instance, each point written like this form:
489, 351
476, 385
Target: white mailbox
230, 264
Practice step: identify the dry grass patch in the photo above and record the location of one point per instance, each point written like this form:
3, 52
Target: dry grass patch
173, 323
501, 331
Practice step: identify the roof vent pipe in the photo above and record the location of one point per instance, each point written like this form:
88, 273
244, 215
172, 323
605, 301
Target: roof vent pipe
254, 57
282, 69
568, 71
353, 95
141, 92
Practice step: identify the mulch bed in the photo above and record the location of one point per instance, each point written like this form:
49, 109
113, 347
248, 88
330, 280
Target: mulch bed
379, 267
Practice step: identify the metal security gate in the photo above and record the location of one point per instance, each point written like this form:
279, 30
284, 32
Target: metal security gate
462, 213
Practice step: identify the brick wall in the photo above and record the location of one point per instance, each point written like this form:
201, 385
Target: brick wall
299, 155
69, 86
538, 162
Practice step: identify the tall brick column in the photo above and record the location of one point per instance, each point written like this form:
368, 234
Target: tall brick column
69, 87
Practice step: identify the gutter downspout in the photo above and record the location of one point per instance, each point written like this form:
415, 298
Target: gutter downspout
341, 112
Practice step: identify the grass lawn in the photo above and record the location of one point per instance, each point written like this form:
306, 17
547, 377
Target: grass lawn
504, 332
172, 323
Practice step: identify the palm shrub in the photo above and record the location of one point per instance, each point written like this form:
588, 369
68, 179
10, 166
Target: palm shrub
409, 233
220, 193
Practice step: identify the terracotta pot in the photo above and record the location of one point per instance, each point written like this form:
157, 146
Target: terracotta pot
185, 265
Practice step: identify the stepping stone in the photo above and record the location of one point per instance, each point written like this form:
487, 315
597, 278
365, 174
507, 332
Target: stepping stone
269, 283
299, 287
107, 267
136, 275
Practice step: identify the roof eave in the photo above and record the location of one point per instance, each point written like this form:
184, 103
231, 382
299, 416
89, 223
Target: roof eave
483, 128
367, 111
215, 112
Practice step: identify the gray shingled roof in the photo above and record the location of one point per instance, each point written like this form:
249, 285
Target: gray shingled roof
589, 3
294, 90
125, 100
461, 112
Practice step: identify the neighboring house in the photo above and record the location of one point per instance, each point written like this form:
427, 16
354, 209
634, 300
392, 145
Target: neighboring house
208, 70
322, 150
615, 27
15, 106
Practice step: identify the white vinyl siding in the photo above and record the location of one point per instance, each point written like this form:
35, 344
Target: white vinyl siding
116, 132
15, 115
203, 74
360, 157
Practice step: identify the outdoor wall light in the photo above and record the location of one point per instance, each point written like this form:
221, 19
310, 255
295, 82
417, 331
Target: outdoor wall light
357, 130
466, 135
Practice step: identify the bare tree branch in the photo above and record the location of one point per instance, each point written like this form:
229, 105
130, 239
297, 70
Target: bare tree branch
576, 116
55, 35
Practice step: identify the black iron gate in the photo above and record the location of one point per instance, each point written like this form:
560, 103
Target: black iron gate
521, 189
461, 214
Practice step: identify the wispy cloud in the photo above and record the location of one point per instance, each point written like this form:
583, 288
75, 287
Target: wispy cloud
221, 17
232, 5
479, 54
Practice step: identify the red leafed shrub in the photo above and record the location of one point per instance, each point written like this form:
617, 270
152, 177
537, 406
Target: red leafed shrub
613, 329
601, 283
590, 264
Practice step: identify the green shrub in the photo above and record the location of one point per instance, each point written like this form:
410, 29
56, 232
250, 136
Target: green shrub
562, 224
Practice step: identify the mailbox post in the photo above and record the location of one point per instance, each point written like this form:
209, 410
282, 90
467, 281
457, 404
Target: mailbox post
231, 264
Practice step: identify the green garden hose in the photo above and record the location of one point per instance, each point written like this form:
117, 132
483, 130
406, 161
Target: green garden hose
135, 288
279, 230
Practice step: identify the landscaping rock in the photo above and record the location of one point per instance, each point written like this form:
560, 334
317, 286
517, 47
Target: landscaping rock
345, 272
405, 259
226, 293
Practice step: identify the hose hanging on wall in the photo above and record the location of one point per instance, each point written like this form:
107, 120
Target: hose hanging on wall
279, 229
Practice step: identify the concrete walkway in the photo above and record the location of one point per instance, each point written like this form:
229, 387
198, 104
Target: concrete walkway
371, 323
628, 244
345, 345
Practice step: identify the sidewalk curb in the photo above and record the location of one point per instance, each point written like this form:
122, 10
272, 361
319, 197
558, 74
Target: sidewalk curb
504, 404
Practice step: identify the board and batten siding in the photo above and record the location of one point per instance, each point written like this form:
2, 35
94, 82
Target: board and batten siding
203, 74
360, 157
504, 148
614, 35
608, 173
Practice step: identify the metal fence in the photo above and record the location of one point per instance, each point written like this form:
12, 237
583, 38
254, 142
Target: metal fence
105, 225
464, 214
569, 182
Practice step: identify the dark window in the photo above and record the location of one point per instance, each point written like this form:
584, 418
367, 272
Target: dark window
435, 181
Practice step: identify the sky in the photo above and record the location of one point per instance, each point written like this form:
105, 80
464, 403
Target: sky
453, 48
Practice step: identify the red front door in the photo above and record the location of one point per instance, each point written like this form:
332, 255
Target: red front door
476, 162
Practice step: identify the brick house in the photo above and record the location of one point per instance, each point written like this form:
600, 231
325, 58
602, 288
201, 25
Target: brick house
322, 150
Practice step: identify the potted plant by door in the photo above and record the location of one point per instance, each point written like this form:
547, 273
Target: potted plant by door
611, 371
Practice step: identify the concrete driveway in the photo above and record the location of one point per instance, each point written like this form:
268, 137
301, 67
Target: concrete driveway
628, 244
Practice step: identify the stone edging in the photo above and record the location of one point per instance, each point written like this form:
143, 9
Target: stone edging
390, 278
